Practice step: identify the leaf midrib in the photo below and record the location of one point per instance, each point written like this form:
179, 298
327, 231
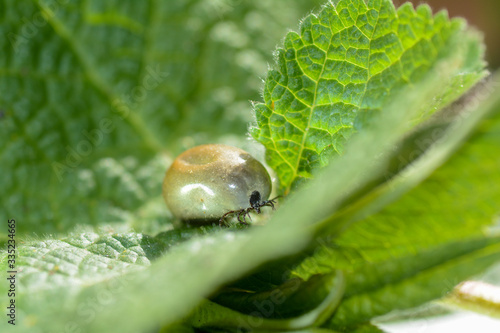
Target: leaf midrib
302, 146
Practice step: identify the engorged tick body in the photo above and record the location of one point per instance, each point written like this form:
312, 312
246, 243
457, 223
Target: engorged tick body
206, 183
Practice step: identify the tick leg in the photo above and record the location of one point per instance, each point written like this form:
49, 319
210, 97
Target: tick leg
223, 218
247, 213
269, 203
221, 221
242, 212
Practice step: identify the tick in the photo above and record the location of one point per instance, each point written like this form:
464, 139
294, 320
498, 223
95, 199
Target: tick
256, 203
207, 183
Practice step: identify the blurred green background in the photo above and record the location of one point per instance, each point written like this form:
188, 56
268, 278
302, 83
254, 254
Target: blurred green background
481, 14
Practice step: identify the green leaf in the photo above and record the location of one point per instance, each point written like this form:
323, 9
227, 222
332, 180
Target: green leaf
289, 299
418, 287
286, 307
83, 259
435, 223
366, 328
346, 64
